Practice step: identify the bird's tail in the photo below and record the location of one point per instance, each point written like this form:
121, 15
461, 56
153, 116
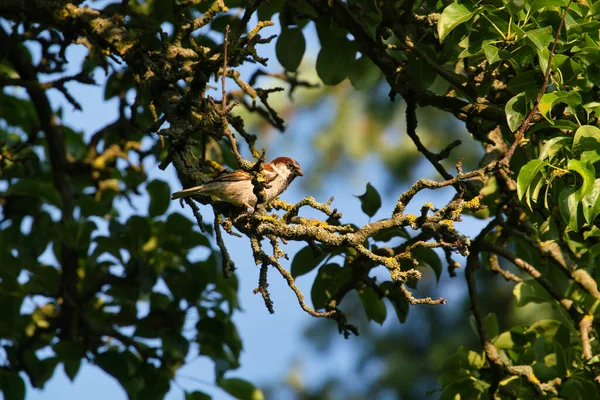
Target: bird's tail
188, 192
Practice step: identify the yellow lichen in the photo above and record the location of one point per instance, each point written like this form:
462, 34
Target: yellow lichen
447, 222
259, 26
533, 378
411, 218
266, 218
474, 203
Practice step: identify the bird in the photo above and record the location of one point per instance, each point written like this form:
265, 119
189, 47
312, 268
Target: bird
236, 187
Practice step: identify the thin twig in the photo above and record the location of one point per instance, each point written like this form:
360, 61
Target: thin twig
227, 264
585, 327
425, 300
223, 90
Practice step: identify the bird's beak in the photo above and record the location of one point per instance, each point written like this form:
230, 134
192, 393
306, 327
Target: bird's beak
299, 172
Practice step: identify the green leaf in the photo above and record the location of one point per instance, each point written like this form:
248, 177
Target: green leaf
530, 291
553, 146
457, 360
290, 48
90, 206
568, 204
526, 81
18, 112
471, 388
326, 285
40, 370
591, 203
398, 300
527, 174
449, 377
491, 53
196, 395
178, 234
546, 103
266, 9
111, 88
160, 195
475, 360
545, 327
549, 100
514, 6
561, 358
329, 32
45, 280
36, 188
534, 189
491, 325
419, 75
370, 201
537, 5
305, 261
504, 341
12, 386
108, 245
587, 172
452, 16
335, 60
560, 124
116, 364
587, 137
240, 389
594, 360
219, 23
539, 39
71, 368
429, 257
364, 74
374, 306
515, 109
175, 346
592, 107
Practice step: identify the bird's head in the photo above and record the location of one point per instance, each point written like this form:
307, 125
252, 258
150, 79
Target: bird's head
288, 163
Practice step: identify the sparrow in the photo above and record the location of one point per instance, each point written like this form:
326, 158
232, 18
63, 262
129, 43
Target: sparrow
236, 187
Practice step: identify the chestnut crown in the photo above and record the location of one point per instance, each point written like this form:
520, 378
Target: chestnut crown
290, 163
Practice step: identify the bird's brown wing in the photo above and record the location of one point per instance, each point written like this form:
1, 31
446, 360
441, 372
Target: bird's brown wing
234, 176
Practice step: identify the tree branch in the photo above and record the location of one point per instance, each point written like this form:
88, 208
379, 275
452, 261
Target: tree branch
58, 160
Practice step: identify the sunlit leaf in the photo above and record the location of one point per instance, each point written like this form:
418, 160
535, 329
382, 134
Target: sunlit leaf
455, 14
591, 202
553, 146
587, 137
539, 39
516, 109
527, 174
